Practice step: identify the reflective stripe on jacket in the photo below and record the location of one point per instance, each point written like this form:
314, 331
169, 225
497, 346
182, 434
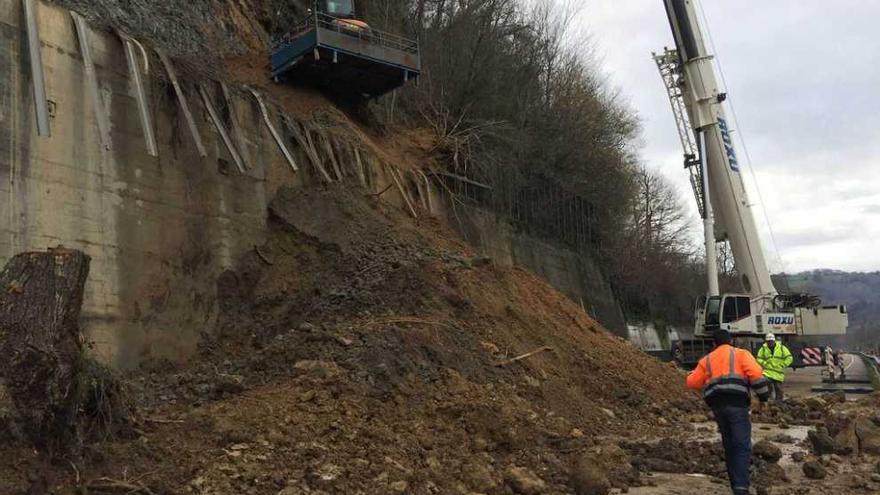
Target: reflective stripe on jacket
774, 362
730, 371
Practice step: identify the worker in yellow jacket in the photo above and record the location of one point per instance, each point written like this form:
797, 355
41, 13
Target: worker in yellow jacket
774, 357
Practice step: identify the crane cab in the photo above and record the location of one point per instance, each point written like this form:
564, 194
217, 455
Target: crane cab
340, 9
731, 312
741, 314
342, 15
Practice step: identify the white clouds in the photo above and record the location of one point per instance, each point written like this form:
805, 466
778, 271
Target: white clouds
804, 79
823, 220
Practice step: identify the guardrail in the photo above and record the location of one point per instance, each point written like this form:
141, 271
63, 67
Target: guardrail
343, 26
872, 364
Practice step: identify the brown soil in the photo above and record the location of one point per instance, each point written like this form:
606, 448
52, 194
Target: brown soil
252, 70
366, 358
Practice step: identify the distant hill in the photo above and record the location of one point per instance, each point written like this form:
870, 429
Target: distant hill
859, 291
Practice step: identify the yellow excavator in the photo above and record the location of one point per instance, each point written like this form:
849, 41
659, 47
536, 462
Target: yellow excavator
344, 14
342, 55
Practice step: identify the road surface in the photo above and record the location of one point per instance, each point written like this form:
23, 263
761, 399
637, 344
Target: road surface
698, 484
800, 383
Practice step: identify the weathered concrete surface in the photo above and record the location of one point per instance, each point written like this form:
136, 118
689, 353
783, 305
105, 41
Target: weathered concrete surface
575, 274
159, 230
651, 337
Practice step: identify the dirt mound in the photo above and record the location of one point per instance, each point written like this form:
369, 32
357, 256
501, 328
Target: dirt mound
358, 352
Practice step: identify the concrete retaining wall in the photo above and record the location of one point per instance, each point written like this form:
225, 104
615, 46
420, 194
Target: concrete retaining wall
575, 274
159, 230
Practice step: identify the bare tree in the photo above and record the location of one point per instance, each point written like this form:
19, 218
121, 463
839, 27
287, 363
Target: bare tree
516, 99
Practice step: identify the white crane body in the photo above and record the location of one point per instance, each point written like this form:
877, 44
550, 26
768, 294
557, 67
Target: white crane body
716, 174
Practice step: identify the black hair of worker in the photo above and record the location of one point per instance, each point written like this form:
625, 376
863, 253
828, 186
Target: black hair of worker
721, 337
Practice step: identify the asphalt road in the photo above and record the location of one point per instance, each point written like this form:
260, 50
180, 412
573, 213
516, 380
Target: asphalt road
799, 383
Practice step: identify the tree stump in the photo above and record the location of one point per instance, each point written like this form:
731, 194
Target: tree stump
41, 350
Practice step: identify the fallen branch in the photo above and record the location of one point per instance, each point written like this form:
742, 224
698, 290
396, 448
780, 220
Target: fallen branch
391, 321
360, 167
116, 486
428, 203
524, 356
262, 256
403, 193
332, 154
305, 142
317, 159
380, 192
75, 470
162, 421
368, 268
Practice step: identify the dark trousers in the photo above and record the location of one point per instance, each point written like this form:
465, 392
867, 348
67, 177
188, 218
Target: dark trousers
736, 436
776, 389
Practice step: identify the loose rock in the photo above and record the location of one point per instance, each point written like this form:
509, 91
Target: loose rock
479, 477
869, 436
767, 451
838, 397
782, 438
399, 487
523, 481
846, 442
588, 479
307, 327
822, 442
322, 369
814, 470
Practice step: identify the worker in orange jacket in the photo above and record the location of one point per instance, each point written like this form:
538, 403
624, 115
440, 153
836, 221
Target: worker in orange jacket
725, 377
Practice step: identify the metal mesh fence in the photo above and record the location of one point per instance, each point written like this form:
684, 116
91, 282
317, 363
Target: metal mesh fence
533, 203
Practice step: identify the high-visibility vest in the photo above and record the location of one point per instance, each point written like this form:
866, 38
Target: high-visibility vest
774, 362
728, 370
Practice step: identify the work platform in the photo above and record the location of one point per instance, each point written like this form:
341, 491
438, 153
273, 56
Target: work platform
345, 58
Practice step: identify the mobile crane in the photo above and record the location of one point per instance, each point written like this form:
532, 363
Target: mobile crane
710, 156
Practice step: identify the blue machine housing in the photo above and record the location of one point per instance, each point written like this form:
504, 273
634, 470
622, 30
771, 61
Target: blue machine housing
345, 59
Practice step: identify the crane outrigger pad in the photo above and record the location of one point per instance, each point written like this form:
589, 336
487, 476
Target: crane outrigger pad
344, 58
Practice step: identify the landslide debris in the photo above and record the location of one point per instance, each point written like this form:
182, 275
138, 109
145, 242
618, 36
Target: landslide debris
359, 352
833, 450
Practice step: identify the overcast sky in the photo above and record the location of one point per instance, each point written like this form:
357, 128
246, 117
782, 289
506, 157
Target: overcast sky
804, 79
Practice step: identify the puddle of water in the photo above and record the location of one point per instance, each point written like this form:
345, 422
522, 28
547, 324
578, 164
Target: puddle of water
679, 484
708, 432
689, 484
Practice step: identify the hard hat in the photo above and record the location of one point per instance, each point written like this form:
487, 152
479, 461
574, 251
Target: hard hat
770, 337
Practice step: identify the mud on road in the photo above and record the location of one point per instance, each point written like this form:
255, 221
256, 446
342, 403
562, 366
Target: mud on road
815, 445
